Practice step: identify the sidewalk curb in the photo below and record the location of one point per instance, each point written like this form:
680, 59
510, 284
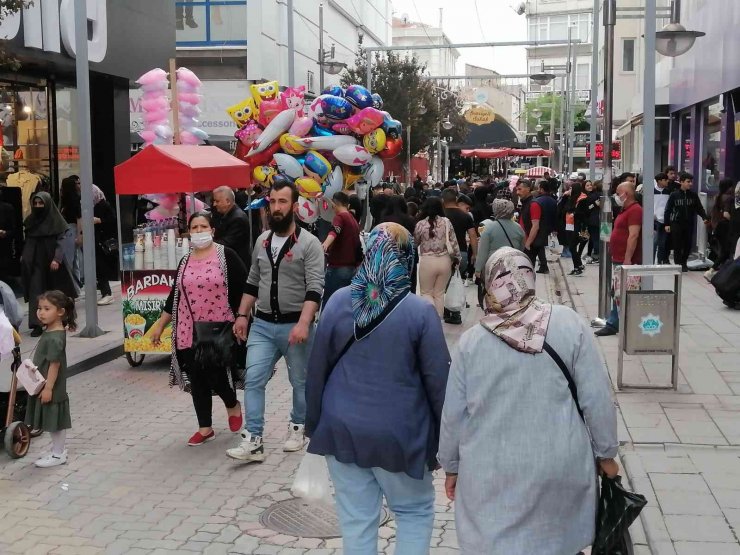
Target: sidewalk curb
640, 527
97, 359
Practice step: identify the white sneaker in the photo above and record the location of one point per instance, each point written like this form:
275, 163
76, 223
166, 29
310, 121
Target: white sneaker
250, 449
296, 438
51, 460
709, 274
587, 259
108, 299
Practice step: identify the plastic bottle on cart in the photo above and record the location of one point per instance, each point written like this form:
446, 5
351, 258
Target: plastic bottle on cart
171, 249
157, 240
148, 251
138, 249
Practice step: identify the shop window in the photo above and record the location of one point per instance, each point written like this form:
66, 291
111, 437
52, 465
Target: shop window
687, 146
628, 55
211, 22
711, 132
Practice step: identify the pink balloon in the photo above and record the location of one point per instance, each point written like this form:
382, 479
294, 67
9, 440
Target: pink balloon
292, 97
268, 110
248, 134
342, 128
158, 103
186, 75
301, 126
153, 76
366, 120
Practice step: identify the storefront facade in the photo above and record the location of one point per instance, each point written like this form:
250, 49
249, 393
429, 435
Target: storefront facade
38, 102
704, 97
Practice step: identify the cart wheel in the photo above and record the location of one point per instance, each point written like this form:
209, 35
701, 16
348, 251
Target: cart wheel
134, 359
17, 440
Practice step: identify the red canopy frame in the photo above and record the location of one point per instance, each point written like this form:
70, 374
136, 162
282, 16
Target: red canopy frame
180, 169
504, 152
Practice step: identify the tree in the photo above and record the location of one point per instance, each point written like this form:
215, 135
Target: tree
399, 81
545, 104
8, 7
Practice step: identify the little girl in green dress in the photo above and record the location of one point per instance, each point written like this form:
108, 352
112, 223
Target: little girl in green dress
49, 410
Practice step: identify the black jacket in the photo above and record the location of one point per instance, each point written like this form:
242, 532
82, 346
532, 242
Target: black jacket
232, 230
683, 207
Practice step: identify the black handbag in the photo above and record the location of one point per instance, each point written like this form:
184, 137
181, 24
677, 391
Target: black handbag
109, 247
618, 508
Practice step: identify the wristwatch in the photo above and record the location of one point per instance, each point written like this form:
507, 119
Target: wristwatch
242, 316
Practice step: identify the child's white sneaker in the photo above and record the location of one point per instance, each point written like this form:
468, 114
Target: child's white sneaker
51, 460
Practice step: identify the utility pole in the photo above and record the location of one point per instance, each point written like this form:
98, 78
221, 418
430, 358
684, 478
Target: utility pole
91, 328
321, 47
291, 46
594, 91
648, 145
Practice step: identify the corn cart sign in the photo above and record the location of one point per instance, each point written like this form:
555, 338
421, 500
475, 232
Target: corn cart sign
480, 115
145, 292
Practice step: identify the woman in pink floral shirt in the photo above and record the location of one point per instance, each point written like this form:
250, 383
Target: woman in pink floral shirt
438, 252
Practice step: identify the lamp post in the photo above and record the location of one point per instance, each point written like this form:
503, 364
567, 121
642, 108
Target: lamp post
327, 63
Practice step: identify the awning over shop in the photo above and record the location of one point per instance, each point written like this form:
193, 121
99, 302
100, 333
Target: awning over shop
504, 152
178, 169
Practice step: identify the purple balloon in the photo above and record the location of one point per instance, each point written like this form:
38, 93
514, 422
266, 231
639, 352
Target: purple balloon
359, 96
336, 108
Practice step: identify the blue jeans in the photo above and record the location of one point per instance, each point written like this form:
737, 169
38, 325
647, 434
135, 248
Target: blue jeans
335, 279
268, 342
613, 318
359, 498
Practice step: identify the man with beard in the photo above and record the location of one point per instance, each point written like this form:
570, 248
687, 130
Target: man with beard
285, 282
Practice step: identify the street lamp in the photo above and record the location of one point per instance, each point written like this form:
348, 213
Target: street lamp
446, 123
327, 63
537, 113
542, 78
674, 40
422, 109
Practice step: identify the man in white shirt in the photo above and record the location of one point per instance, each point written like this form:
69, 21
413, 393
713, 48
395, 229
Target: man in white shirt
661, 237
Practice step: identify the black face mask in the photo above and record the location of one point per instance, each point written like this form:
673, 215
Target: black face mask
280, 225
38, 211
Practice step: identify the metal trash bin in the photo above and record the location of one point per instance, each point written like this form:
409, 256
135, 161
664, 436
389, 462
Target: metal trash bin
649, 321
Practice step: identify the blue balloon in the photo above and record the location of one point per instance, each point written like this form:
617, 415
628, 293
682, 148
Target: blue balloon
359, 96
392, 127
258, 203
320, 131
334, 90
336, 108
377, 101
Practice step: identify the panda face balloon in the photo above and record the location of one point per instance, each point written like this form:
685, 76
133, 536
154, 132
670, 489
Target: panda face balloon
377, 101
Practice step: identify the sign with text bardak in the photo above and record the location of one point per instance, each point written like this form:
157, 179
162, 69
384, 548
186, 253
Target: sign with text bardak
47, 24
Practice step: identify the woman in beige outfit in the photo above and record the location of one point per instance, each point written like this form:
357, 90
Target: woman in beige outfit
438, 252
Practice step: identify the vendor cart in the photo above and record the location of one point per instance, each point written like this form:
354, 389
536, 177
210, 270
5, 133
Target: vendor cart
150, 252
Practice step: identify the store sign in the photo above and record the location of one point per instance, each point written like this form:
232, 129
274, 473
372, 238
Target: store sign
599, 149
47, 24
145, 292
480, 115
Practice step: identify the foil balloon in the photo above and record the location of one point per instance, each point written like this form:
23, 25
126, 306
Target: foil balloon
373, 171
243, 112
335, 108
264, 91
301, 126
334, 183
377, 101
392, 148
292, 97
321, 131
329, 142
307, 210
342, 128
351, 175
269, 109
263, 157
282, 179
392, 127
359, 96
326, 208
258, 203
366, 120
264, 174
288, 165
334, 90
308, 188
289, 143
316, 166
374, 141
352, 155
314, 109
248, 134
277, 127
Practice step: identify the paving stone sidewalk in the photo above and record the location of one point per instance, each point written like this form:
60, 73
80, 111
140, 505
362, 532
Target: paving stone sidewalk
680, 449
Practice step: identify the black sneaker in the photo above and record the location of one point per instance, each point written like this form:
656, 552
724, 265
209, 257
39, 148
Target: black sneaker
455, 319
606, 330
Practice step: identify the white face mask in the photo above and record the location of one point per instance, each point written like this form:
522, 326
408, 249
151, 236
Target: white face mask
201, 240
619, 200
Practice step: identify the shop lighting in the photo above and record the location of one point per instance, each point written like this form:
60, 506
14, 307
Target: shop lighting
674, 40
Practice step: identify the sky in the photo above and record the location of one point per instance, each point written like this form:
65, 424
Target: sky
498, 22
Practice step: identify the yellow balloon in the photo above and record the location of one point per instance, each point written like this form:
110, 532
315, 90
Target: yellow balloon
374, 141
264, 91
350, 177
290, 145
308, 187
264, 174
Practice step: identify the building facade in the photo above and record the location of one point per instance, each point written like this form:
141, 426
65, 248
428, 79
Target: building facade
438, 61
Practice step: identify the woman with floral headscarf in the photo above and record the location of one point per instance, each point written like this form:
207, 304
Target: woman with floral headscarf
374, 390
520, 460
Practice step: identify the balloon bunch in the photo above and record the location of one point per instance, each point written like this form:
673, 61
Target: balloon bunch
188, 99
340, 140
156, 106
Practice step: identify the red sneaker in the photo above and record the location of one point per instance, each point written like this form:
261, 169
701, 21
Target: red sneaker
200, 439
235, 423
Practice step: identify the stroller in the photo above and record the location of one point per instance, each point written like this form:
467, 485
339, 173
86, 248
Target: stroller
726, 283
14, 434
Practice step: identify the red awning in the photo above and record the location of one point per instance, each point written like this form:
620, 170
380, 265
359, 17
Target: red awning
539, 171
504, 152
180, 169
529, 152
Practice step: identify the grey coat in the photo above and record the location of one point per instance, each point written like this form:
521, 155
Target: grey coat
527, 476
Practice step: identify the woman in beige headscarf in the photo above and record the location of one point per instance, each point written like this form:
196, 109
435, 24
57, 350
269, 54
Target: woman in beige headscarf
520, 460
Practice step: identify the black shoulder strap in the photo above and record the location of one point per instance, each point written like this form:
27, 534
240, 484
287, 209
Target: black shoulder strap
564, 369
504, 230
341, 354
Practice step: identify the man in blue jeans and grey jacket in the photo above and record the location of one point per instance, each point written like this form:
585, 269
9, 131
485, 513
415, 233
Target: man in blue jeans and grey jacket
285, 281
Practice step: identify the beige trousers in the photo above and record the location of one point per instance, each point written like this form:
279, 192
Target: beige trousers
434, 274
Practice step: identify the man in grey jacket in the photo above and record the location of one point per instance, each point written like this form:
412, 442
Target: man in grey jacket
285, 281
